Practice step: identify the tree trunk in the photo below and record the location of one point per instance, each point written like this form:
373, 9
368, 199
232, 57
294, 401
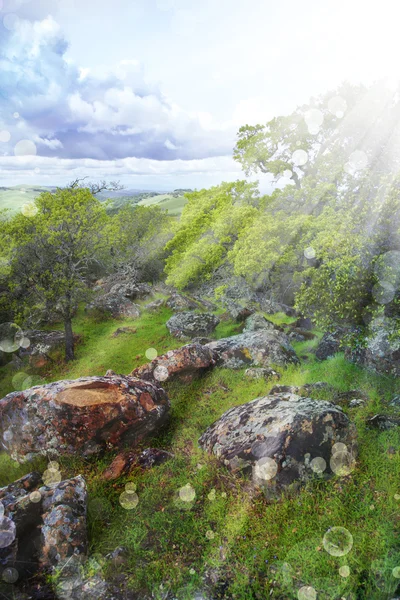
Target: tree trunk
69, 339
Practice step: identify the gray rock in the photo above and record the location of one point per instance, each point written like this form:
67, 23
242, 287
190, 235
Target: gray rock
179, 303
49, 528
261, 348
277, 437
382, 422
261, 373
258, 321
382, 347
189, 324
329, 344
114, 305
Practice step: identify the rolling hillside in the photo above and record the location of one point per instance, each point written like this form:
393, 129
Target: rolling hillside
14, 198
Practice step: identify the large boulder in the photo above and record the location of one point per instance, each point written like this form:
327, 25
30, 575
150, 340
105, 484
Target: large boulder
189, 324
283, 440
84, 416
184, 364
381, 349
44, 523
261, 348
113, 305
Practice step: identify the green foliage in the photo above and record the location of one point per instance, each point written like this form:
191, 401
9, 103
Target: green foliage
210, 223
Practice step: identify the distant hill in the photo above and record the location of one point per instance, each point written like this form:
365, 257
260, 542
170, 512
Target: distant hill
13, 198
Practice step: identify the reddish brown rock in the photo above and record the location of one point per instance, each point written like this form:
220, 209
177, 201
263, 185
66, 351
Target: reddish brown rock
83, 416
185, 363
125, 461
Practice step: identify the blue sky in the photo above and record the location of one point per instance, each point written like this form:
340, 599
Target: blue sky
152, 92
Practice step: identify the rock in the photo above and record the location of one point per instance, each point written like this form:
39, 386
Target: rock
49, 524
178, 303
190, 324
277, 437
201, 340
356, 402
296, 337
261, 373
301, 335
114, 305
125, 461
237, 312
257, 321
258, 348
303, 323
155, 305
131, 290
123, 331
185, 364
271, 307
41, 345
382, 422
82, 416
329, 344
381, 352
395, 401
124, 284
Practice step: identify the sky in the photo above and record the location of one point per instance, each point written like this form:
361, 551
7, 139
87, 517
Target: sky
153, 92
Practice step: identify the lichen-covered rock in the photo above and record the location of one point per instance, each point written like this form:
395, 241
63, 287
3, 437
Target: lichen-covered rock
261, 373
49, 524
155, 305
237, 312
178, 303
190, 324
277, 438
115, 305
185, 364
81, 416
329, 344
63, 529
382, 347
261, 348
258, 321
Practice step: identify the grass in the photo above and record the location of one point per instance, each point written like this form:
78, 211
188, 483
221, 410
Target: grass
256, 549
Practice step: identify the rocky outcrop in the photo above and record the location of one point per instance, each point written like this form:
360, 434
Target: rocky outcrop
189, 324
381, 348
113, 305
82, 416
262, 348
283, 440
184, 364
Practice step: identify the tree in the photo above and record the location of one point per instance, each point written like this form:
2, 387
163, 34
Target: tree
49, 252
